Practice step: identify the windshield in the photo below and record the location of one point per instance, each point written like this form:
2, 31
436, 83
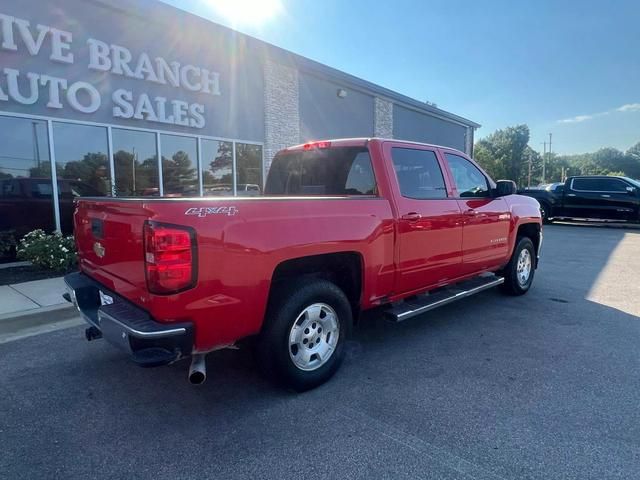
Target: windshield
636, 183
328, 171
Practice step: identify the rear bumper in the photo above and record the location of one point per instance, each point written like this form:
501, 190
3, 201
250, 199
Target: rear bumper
127, 326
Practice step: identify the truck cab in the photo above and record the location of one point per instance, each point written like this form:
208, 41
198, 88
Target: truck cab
591, 197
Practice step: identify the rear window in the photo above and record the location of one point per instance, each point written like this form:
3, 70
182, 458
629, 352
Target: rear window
330, 171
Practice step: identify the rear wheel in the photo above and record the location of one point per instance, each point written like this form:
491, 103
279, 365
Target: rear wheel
518, 274
302, 342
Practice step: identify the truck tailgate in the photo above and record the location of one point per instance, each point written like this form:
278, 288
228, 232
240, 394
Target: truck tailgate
109, 237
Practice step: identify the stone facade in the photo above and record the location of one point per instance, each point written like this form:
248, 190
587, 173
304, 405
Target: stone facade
281, 109
469, 141
383, 118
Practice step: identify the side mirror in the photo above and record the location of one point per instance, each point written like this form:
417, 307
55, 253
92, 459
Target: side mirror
505, 187
631, 190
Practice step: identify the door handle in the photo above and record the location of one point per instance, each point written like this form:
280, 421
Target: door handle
571, 194
471, 212
411, 217
605, 196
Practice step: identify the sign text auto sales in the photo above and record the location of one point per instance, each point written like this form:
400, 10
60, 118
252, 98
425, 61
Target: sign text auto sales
27, 88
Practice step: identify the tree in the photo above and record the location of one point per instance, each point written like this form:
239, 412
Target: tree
249, 164
503, 155
178, 174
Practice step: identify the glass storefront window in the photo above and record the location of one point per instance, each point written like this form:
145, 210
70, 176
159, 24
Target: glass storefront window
135, 162
82, 166
179, 166
249, 165
217, 167
26, 199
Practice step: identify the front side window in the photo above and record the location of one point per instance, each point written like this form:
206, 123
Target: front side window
324, 171
419, 174
470, 181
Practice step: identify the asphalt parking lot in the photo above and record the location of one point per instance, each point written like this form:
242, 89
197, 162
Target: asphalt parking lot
543, 386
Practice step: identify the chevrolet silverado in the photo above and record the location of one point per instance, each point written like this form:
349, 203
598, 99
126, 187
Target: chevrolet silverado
341, 227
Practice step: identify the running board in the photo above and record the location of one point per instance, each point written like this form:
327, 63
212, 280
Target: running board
428, 301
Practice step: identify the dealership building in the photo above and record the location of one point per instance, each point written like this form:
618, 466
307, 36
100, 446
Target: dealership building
137, 98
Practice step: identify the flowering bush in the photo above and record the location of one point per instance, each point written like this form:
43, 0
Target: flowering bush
55, 252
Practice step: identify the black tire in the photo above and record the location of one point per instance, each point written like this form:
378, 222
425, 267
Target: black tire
545, 208
273, 344
512, 284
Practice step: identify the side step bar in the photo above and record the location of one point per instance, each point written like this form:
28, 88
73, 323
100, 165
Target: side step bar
428, 301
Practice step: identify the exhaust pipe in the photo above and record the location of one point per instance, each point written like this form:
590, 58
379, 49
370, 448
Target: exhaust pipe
198, 369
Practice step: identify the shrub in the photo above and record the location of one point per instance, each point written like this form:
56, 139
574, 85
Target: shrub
55, 252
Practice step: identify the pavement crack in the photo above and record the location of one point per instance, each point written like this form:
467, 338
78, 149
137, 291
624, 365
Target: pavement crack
437, 454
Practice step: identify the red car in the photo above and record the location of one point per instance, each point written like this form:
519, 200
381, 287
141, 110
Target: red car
343, 226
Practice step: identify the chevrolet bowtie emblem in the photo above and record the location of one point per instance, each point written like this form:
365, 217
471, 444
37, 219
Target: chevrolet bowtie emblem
98, 249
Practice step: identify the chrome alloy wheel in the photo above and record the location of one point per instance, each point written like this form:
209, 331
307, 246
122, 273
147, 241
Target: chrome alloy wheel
524, 267
314, 336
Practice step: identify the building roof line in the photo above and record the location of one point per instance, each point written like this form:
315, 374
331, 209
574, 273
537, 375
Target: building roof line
135, 8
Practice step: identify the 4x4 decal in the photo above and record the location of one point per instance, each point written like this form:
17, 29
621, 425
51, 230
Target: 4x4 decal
204, 211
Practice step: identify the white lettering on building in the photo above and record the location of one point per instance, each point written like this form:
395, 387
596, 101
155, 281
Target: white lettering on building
28, 88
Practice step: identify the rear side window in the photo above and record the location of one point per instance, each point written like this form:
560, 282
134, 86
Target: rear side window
419, 174
598, 185
328, 171
470, 181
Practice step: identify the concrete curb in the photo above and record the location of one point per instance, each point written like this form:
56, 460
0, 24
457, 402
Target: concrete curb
594, 224
39, 320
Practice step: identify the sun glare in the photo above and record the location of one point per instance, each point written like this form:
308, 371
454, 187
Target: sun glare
253, 12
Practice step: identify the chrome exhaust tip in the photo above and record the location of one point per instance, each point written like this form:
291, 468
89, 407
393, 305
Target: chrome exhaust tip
198, 369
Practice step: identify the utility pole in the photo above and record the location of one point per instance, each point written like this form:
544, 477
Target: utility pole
544, 158
133, 169
36, 146
550, 147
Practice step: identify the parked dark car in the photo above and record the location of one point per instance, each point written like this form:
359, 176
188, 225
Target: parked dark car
590, 197
27, 204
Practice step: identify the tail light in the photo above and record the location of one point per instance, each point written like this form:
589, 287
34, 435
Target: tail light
170, 258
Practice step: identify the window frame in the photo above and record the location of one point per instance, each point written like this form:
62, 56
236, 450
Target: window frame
489, 181
438, 164
49, 120
600, 191
364, 149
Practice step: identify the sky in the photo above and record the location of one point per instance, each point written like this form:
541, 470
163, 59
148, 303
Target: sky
569, 68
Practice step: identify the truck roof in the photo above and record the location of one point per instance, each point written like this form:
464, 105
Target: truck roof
362, 142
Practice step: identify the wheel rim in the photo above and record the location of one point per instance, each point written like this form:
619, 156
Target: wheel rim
524, 267
314, 336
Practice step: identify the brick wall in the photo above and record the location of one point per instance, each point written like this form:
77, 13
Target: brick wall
281, 109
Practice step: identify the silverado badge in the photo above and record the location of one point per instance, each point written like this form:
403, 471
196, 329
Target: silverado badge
98, 249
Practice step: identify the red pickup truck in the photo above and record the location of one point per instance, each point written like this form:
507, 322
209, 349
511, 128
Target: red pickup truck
342, 226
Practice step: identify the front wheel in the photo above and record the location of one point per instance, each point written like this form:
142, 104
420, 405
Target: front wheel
518, 274
545, 209
302, 342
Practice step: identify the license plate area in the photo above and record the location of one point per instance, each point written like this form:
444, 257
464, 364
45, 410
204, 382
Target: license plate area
105, 299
